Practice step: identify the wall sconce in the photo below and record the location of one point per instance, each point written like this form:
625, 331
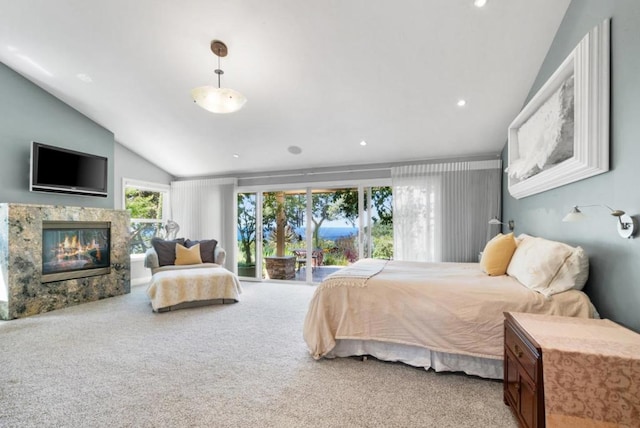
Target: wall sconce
626, 224
510, 224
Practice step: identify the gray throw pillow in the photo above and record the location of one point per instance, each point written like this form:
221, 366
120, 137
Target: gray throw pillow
166, 250
207, 249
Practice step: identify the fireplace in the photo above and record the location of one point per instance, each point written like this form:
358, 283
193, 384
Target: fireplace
75, 249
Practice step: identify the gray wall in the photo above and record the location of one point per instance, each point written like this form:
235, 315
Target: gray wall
131, 165
29, 113
614, 282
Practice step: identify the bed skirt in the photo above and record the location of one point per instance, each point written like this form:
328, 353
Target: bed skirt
419, 357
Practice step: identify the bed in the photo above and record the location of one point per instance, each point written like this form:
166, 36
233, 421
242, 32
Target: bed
445, 316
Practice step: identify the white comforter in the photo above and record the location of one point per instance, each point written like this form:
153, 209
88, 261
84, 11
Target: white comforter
445, 307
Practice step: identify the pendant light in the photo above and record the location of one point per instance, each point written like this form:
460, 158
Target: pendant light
218, 100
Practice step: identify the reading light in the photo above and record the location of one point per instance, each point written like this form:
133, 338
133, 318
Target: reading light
218, 100
626, 224
511, 224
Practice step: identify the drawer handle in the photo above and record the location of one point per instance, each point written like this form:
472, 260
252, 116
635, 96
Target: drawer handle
519, 352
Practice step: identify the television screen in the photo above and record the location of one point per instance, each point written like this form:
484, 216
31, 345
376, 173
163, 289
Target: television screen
54, 169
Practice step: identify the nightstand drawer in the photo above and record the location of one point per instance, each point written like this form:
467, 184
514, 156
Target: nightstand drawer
521, 352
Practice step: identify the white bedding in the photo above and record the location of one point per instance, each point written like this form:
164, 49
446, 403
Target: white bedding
173, 287
445, 308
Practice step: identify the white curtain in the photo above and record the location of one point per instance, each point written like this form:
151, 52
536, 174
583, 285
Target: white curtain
206, 209
441, 210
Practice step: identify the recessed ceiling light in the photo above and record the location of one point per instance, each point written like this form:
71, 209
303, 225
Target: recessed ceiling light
479, 3
294, 150
462, 103
235, 155
363, 143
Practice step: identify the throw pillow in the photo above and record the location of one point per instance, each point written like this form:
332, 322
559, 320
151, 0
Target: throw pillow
188, 256
497, 254
207, 249
166, 250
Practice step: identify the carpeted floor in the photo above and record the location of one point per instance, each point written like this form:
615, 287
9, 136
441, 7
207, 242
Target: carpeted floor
116, 363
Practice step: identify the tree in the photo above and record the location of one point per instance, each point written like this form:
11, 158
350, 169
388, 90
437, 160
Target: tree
247, 224
381, 199
282, 209
143, 204
325, 206
281, 214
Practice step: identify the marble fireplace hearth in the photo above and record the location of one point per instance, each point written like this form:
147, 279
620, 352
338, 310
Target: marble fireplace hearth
24, 291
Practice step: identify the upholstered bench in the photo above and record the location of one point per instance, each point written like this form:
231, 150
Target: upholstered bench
183, 288
189, 276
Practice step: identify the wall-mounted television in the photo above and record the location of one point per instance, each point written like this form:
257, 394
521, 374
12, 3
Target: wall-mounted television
58, 170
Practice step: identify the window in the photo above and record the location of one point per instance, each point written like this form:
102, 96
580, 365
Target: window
148, 206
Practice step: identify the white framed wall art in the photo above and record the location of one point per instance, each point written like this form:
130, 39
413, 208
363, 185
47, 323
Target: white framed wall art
562, 134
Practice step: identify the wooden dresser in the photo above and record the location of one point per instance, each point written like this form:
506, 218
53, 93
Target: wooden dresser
563, 371
523, 384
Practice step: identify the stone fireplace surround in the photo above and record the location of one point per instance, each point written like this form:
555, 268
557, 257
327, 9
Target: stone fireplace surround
22, 292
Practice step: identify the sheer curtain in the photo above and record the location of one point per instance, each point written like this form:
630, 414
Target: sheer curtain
205, 209
441, 210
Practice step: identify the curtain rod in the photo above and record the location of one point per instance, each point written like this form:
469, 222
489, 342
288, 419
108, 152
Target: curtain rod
343, 169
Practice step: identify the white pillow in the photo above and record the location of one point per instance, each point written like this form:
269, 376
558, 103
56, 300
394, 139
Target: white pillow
522, 237
536, 262
572, 274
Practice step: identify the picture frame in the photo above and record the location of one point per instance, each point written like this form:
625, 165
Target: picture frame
562, 134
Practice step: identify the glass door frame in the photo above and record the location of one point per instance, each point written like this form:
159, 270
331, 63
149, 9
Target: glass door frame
308, 187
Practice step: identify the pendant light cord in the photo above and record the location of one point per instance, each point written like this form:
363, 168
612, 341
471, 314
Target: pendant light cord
219, 71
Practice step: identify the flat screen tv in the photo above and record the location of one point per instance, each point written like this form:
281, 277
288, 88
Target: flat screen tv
54, 169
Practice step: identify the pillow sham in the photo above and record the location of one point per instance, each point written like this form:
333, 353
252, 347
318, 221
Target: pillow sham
166, 250
207, 249
188, 256
573, 273
522, 237
536, 262
497, 254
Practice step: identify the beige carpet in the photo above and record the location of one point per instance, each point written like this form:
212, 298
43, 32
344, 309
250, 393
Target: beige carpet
115, 363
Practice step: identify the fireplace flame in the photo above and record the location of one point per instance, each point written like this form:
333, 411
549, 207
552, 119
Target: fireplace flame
71, 247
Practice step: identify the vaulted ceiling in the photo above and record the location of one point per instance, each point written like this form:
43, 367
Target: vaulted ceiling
320, 75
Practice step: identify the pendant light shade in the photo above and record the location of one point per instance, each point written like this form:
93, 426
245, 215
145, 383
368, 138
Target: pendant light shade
218, 100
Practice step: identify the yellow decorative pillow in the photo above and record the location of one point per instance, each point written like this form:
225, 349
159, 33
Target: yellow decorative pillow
497, 254
188, 256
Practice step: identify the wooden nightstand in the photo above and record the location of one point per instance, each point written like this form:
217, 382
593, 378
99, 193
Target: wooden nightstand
564, 371
523, 384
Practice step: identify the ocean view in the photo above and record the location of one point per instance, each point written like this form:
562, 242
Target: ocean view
332, 233
327, 233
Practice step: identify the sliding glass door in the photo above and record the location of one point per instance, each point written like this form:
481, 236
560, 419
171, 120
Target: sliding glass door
284, 238
306, 234
248, 234
378, 227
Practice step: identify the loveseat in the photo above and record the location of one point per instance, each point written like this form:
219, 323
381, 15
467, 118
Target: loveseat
188, 273
162, 254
